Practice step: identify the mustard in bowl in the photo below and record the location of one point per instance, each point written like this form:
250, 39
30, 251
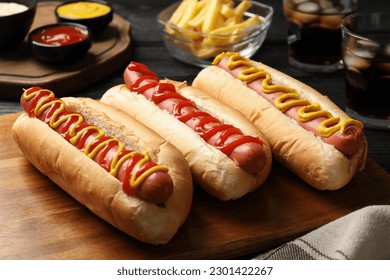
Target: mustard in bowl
96, 15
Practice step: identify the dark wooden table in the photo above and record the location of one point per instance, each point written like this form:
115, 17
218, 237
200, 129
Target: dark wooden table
147, 47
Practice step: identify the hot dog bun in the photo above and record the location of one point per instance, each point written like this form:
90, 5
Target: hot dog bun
93, 186
318, 163
214, 171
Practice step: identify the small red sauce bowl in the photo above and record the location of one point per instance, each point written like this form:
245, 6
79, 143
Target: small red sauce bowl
60, 43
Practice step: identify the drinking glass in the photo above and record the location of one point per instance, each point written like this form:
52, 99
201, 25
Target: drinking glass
314, 34
366, 56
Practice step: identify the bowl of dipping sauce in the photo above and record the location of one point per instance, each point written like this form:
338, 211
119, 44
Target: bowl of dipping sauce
96, 15
16, 17
60, 43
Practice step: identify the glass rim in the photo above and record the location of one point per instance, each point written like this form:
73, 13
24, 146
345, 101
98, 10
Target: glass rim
346, 28
351, 7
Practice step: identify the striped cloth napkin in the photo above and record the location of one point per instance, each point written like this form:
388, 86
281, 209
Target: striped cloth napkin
361, 235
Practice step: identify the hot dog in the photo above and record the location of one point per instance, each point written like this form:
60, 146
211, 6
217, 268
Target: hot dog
307, 132
227, 155
115, 166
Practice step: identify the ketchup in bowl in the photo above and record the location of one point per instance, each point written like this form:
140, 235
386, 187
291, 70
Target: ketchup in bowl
60, 43
59, 35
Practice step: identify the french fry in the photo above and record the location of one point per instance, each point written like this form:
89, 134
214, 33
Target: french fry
227, 30
211, 16
190, 11
227, 10
242, 8
197, 21
178, 13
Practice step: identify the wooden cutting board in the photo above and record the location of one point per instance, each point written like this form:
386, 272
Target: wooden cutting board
19, 69
40, 221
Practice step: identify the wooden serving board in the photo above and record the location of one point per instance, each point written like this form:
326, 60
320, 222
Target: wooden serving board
19, 69
40, 221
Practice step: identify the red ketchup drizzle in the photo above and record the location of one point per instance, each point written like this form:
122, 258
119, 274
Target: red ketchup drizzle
59, 35
65, 133
164, 91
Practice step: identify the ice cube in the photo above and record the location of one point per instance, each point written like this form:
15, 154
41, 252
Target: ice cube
331, 21
355, 60
386, 51
308, 7
366, 49
307, 13
325, 4
297, 2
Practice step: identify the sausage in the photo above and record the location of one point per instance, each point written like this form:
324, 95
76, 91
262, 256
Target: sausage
156, 188
307, 132
246, 151
347, 142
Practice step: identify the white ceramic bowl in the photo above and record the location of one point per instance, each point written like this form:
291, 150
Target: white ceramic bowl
14, 27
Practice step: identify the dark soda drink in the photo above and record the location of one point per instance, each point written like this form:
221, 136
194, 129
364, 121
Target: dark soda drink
314, 33
366, 93
316, 45
366, 56
368, 78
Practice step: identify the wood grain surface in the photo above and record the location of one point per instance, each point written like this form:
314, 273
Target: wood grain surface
110, 51
40, 221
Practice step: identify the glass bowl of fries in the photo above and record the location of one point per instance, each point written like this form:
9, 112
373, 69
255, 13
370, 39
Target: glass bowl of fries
195, 31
